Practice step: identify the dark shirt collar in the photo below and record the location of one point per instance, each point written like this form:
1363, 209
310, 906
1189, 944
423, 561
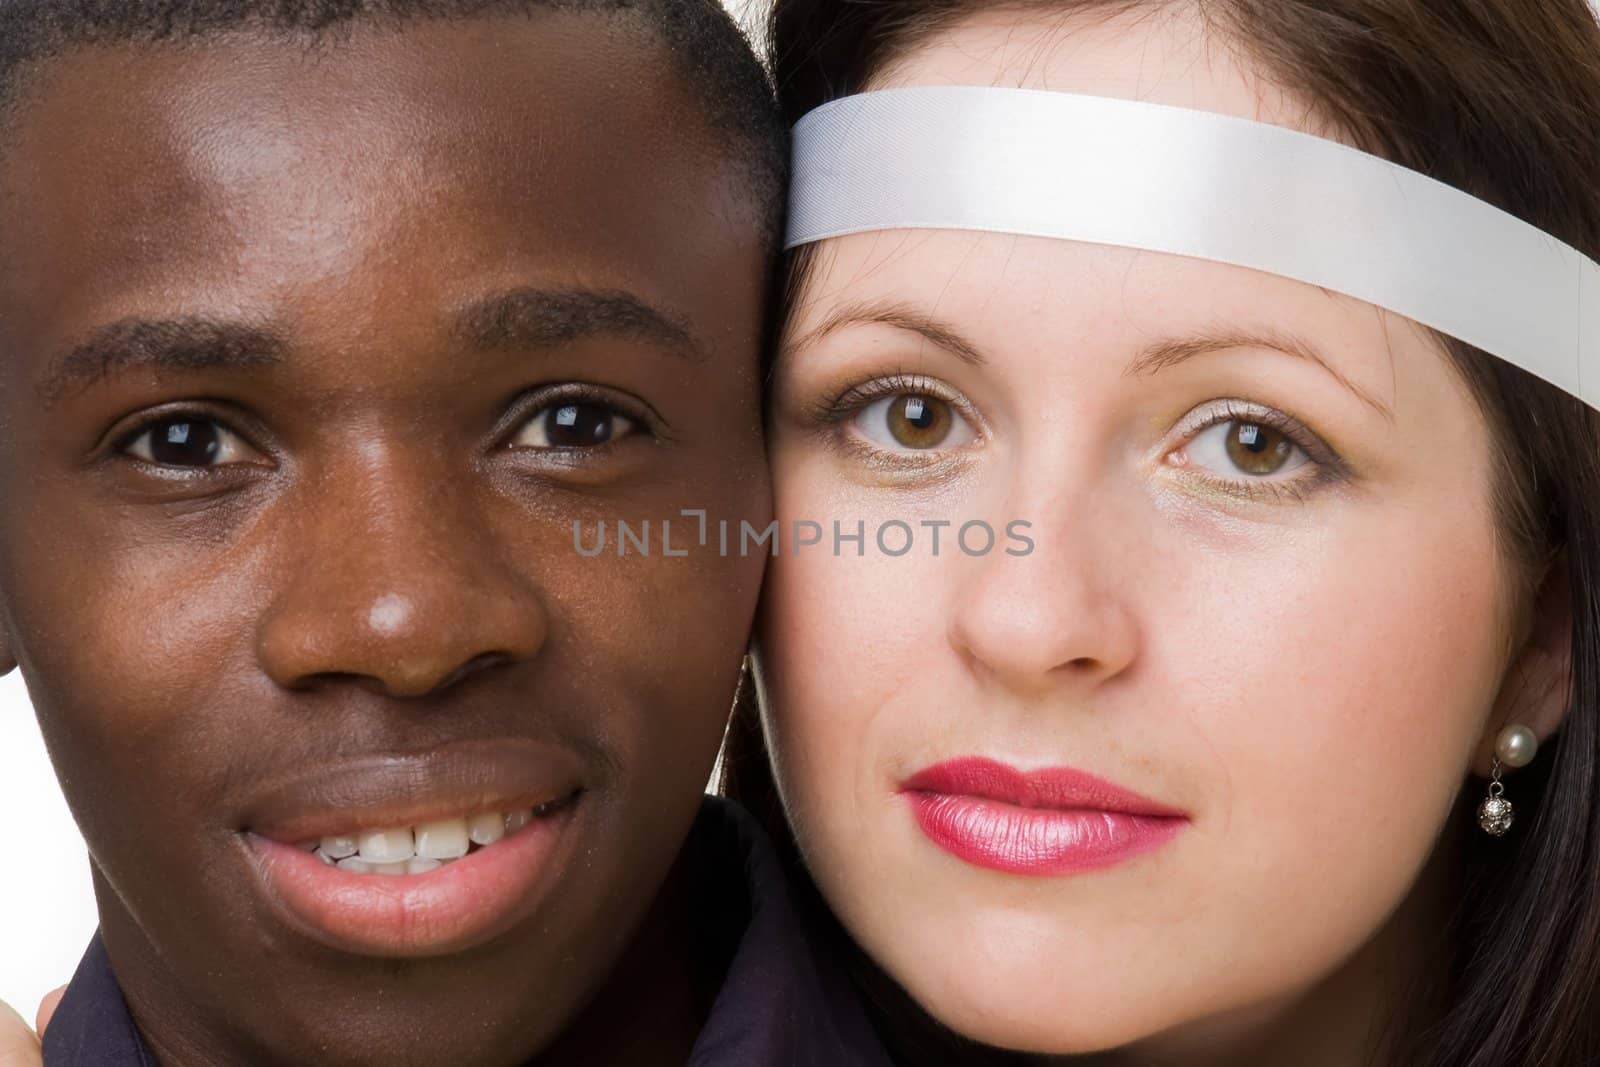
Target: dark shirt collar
91, 1025
785, 1001
781, 1003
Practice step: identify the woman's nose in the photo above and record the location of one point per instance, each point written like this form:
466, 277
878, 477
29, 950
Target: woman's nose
1058, 614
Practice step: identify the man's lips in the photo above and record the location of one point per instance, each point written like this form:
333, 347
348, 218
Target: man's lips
1053, 821
380, 791
450, 909
388, 910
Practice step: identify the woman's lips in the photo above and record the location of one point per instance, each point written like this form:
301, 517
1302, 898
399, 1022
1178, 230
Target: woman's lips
1046, 822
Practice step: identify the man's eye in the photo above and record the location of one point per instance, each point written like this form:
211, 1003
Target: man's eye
185, 441
573, 424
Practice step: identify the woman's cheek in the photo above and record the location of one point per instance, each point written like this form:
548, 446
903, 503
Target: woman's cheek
1340, 741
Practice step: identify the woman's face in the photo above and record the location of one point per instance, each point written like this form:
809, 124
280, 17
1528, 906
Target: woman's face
1264, 598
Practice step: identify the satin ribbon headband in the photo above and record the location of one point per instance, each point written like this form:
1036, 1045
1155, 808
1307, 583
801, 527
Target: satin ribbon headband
1209, 186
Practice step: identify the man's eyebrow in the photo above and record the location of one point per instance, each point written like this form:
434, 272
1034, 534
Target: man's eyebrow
184, 344
549, 318
1172, 351
902, 316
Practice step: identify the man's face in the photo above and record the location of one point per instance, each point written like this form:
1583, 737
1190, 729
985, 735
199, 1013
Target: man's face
314, 355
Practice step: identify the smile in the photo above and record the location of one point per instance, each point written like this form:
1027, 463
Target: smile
421, 848
417, 856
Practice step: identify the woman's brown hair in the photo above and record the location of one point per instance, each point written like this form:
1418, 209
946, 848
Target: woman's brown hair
1500, 98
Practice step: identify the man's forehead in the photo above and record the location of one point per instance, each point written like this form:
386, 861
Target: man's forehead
208, 165
478, 83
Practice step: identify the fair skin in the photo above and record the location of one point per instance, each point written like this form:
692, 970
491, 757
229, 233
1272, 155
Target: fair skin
1307, 657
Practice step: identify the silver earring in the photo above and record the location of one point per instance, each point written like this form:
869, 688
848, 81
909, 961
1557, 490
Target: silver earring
1515, 747
1495, 813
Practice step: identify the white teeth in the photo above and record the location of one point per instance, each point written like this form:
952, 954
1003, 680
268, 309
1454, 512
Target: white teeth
387, 846
487, 828
420, 849
339, 847
443, 840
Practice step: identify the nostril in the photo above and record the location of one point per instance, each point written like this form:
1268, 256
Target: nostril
401, 682
481, 662
328, 679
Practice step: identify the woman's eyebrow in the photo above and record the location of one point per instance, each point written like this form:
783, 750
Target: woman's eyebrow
903, 316
548, 318
1169, 352
1159, 356
184, 343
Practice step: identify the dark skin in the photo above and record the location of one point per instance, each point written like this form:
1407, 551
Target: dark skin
353, 277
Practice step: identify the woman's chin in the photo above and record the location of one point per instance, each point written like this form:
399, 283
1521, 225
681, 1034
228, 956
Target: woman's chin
1040, 1005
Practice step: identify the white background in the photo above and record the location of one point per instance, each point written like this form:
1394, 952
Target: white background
46, 903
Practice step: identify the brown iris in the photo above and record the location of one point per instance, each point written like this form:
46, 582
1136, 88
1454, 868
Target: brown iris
1257, 449
919, 421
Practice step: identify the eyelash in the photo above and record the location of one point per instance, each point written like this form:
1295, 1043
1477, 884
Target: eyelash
530, 404
833, 412
1328, 467
861, 395
645, 422
123, 442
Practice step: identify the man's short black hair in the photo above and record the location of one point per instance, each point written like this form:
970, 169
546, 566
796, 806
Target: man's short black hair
713, 54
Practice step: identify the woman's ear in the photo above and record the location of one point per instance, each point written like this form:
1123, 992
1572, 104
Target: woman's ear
1537, 690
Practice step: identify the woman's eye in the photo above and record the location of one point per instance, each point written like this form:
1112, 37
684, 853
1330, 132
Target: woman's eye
915, 421
185, 441
1239, 446
573, 424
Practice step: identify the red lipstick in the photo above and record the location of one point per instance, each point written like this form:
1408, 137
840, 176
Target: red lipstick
1051, 821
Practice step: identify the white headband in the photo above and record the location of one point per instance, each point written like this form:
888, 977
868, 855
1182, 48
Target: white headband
1210, 186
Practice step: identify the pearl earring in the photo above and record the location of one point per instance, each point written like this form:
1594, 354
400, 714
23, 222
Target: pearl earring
1515, 747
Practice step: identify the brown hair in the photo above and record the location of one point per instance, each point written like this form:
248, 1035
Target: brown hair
1500, 98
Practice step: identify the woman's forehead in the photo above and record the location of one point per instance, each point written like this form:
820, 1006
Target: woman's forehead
1158, 53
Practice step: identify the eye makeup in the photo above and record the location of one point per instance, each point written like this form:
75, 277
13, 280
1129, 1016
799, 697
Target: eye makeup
919, 402
1251, 425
